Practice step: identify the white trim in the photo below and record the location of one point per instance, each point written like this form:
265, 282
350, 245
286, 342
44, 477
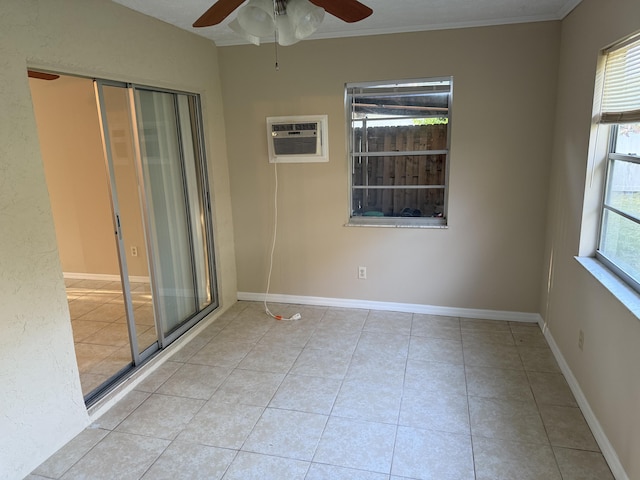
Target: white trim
567, 8
394, 307
600, 436
107, 277
360, 32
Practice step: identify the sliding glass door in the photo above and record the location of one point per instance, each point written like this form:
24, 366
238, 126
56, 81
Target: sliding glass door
177, 203
161, 211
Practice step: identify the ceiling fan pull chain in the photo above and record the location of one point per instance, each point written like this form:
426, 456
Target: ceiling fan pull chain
275, 35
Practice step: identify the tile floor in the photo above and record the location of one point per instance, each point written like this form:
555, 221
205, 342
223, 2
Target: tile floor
344, 394
99, 327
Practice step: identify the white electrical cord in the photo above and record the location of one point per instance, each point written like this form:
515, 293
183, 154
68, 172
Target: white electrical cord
297, 316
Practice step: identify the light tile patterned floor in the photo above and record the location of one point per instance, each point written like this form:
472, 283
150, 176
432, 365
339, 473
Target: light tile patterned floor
344, 394
99, 327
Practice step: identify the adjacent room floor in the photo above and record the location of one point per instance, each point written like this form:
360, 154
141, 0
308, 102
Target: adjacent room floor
99, 327
344, 394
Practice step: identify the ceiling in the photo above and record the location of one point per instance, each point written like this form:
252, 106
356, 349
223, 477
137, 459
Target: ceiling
389, 16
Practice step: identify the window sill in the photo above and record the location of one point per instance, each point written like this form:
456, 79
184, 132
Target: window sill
382, 225
625, 294
397, 222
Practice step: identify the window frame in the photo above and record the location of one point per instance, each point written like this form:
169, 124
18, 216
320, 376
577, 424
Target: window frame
617, 102
612, 156
396, 86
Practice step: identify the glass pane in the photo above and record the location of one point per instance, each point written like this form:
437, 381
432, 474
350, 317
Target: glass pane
623, 190
423, 99
620, 243
401, 202
166, 205
628, 139
190, 149
119, 129
398, 138
400, 170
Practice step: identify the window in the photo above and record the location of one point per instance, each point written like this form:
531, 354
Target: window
399, 136
619, 241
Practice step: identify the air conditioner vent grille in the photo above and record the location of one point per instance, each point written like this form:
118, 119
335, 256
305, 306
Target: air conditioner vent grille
287, 127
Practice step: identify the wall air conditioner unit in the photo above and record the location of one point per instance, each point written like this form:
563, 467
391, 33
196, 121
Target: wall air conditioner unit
299, 139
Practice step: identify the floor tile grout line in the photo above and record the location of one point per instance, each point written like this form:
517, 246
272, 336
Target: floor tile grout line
272, 396
544, 426
324, 429
402, 398
466, 387
84, 455
96, 445
156, 459
342, 382
393, 450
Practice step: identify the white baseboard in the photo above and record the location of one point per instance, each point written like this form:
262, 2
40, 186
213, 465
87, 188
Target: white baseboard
393, 307
601, 438
107, 277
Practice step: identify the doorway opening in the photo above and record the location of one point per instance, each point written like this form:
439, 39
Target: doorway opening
126, 171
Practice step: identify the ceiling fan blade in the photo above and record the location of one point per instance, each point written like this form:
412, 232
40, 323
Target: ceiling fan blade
348, 10
42, 75
217, 12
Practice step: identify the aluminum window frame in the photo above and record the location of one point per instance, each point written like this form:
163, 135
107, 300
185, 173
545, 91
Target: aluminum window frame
610, 263
387, 88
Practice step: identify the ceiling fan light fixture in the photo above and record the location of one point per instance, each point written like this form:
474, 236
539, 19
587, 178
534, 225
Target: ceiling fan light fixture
305, 17
256, 18
286, 31
235, 26
293, 20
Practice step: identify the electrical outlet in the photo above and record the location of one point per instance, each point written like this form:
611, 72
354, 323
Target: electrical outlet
134, 251
362, 273
581, 340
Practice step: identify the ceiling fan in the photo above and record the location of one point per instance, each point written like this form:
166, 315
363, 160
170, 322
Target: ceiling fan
42, 75
348, 10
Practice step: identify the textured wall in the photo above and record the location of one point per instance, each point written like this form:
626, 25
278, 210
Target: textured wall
41, 401
40, 398
491, 255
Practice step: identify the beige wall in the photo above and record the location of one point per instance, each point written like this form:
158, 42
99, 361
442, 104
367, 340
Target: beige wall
73, 159
77, 178
118, 112
41, 399
607, 369
491, 255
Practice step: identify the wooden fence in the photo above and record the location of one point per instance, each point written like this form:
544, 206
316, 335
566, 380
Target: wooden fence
398, 170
